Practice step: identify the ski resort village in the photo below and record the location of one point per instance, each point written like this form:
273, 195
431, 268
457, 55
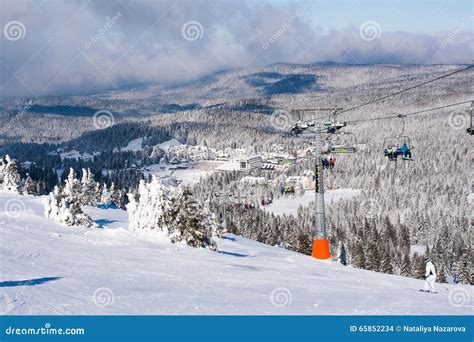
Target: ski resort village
329, 176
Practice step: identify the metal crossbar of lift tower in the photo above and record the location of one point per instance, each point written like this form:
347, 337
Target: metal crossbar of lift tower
316, 109
298, 110
333, 110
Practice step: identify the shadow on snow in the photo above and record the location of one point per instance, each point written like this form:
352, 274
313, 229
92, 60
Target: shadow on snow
29, 282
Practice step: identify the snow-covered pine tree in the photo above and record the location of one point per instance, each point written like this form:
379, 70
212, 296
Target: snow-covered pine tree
3, 165
372, 259
389, 232
71, 213
116, 196
304, 243
97, 193
53, 204
174, 215
11, 177
464, 268
441, 274
30, 187
386, 263
404, 239
418, 266
358, 257
151, 209
40, 188
211, 223
188, 222
72, 187
88, 188
106, 196
123, 199
342, 255
64, 204
405, 268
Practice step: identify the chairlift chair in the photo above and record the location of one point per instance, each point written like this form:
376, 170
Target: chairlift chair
337, 147
398, 145
389, 146
405, 148
296, 129
333, 126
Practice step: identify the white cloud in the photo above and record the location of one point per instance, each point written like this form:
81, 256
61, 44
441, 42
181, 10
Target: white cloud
145, 43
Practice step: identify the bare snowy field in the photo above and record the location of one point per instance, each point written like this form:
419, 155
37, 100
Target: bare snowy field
289, 204
48, 268
191, 175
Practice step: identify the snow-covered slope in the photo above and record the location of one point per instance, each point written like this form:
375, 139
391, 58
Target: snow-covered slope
47, 268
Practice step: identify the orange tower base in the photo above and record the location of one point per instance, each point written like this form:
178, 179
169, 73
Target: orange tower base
321, 249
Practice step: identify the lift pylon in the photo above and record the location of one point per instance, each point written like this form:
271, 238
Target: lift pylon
320, 239
321, 248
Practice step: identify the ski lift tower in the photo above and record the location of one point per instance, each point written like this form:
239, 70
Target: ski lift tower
321, 248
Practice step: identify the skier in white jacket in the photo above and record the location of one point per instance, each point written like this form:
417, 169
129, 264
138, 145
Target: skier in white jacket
430, 276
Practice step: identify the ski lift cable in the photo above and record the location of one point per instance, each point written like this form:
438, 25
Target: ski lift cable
391, 95
329, 136
410, 114
397, 116
407, 89
369, 102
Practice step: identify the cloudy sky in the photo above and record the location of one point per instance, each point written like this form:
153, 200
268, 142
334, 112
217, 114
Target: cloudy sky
81, 47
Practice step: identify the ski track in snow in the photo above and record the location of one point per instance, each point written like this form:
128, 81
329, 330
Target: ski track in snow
141, 273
